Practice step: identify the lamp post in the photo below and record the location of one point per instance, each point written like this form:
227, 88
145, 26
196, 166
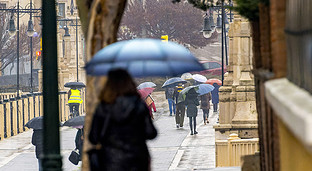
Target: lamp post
220, 27
12, 31
67, 35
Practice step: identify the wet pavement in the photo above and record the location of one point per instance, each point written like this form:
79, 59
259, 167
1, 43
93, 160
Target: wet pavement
173, 149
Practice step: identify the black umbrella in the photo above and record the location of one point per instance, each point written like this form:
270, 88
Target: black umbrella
75, 84
76, 122
35, 123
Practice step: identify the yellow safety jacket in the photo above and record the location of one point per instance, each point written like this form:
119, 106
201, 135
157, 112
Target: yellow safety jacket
75, 96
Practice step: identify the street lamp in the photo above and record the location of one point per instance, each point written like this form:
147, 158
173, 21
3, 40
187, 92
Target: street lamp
221, 26
65, 27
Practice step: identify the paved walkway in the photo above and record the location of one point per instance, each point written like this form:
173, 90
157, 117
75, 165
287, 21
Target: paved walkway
173, 149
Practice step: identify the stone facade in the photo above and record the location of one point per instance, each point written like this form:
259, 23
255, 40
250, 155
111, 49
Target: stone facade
237, 95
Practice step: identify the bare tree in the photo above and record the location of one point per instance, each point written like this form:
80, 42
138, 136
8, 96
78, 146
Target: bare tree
181, 22
8, 44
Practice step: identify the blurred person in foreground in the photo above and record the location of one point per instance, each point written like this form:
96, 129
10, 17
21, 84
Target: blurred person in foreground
120, 127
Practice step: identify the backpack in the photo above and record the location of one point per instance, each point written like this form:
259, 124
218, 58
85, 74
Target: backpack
170, 92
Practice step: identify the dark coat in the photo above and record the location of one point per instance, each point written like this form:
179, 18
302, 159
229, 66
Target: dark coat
205, 101
79, 141
37, 141
129, 126
191, 101
215, 93
170, 93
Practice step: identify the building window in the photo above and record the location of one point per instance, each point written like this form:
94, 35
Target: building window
61, 13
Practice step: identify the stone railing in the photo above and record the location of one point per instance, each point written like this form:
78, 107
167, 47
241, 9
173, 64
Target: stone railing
16, 112
230, 151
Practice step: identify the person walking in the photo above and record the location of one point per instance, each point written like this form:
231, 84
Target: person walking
121, 125
215, 97
37, 141
180, 107
74, 101
79, 141
191, 101
170, 96
150, 104
205, 106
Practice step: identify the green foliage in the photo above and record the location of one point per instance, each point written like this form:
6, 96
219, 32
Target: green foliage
248, 9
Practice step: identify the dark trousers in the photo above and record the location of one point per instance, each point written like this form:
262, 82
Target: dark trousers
71, 108
180, 112
205, 114
215, 107
193, 126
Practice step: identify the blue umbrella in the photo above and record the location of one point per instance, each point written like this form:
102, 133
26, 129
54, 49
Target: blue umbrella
146, 85
173, 82
144, 57
204, 89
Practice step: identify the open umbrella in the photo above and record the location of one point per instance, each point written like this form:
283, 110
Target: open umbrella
182, 94
145, 92
199, 78
145, 85
204, 89
75, 122
211, 81
186, 76
173, 82
74, 84
35, 123
144, 57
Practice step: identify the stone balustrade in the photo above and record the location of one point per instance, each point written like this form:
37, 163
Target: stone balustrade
230, 151
16, 112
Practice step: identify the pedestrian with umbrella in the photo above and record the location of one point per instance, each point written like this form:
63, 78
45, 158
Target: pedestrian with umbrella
205, 97
37, 137
215, 97
180, 107
147, 97
169, 92
191, 101
76, 122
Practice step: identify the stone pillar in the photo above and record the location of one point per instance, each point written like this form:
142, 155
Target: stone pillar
237, 96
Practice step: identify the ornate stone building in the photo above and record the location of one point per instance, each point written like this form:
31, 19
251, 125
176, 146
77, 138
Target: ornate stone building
237, 97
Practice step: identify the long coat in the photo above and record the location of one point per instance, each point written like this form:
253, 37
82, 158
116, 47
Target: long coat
129, 126
205, 101
37, 140
215, 93
191, 101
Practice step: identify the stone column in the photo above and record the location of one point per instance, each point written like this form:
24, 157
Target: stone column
237, 96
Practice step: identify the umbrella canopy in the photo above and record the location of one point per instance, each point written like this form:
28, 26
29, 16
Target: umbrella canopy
35, 123
204, 89
186, 76
75, 84
173, 82
145, 92
182, 94
144, 57
199, 78
146, 85
211, 81
76, 122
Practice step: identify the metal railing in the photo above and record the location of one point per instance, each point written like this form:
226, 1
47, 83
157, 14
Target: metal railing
16, 112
